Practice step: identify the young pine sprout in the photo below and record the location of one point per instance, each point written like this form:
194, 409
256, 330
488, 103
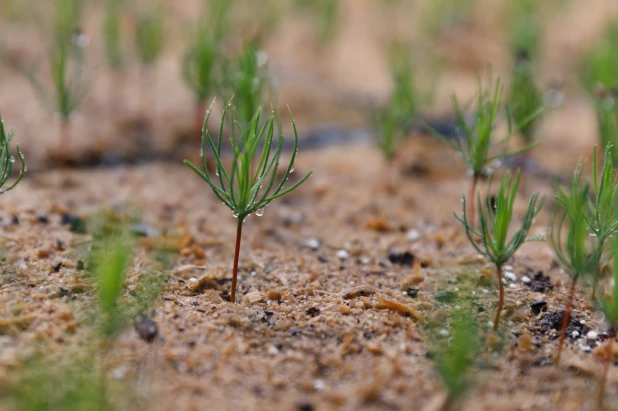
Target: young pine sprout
609, 307
149, 40
245, 79
495, 216
607, 119
577, 251
200, 59
475, 142
250, 183
525, 99
599, 66
604, 209
66, 58
455, 358
7, 160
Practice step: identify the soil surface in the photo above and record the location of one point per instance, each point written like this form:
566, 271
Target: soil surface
342, 281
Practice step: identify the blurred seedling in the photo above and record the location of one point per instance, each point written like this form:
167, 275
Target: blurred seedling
604, 209
455, 357
7, 160
441, 15
326, 17
524, 20
113, 37
599, 67
495, 216
475, 141
149, 41
200, 59
245, 78
66, 60
395, 118
250, 184
577, 251
525, 99
607, 119
609, 306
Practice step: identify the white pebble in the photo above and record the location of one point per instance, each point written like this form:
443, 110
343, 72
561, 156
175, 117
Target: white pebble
313, 243
592, 335
272, 350
575, 334
490, 323
508, 267
511, 276
582, 322
526, 280
444, 333
512, 285
193, 280
118, 373
342, 254
413, 235
319, 385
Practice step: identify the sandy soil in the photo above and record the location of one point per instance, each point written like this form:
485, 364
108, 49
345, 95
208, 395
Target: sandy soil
324, 319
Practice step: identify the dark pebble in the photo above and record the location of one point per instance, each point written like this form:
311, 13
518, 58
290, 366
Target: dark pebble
146, 329
406, 258
540, 283
537, 306
412, 292
42, 218
313, 311
56, 266
305, 406
75, 223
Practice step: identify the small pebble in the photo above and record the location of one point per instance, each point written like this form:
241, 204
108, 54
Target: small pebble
273, 350
592, 335
193, 280
490, 323
526, 280
343, 254
413, 235
313, 243
511, 276
575, 334
274, 295
512, 286
508, 267
319, 385
57, 265
444, 333
582, 322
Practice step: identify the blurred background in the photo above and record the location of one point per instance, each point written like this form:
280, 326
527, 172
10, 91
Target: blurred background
88, 83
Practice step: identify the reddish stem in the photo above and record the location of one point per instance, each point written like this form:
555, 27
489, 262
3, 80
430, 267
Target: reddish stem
236, 254
501, 299
566, 318
597, 278
472, 202
609, 353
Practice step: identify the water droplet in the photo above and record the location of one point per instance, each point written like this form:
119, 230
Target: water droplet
217, 173
12, 159
292, 169
235, 215
259, 212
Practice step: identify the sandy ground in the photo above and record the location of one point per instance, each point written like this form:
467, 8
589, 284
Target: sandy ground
324, 319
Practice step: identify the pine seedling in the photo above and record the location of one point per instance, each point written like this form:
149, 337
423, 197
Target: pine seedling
475, 141
326, 15
525, 99
600, 65
455, 358
607, 119
66, 57
200, 59
112, 33
609, 306
442, 15
245, 78
7, 160
525, 27
250, 184
577, 251
604, 209
149, 35
495, 216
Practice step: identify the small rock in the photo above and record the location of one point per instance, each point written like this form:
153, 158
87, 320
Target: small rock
146, 329
42, 218
56, 266
144, 230
319, 385
526, 280
592, 335
344, 309
272, 350
253, 297
405, 258
313, 311
342, 254
75, 223
313, 243
413, 235
537, 306
304, 406
274, 295
510, 276
444, 333
575, 334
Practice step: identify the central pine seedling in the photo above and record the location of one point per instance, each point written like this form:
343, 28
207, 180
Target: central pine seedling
495, 216
476, 142
7, 160
251, 182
